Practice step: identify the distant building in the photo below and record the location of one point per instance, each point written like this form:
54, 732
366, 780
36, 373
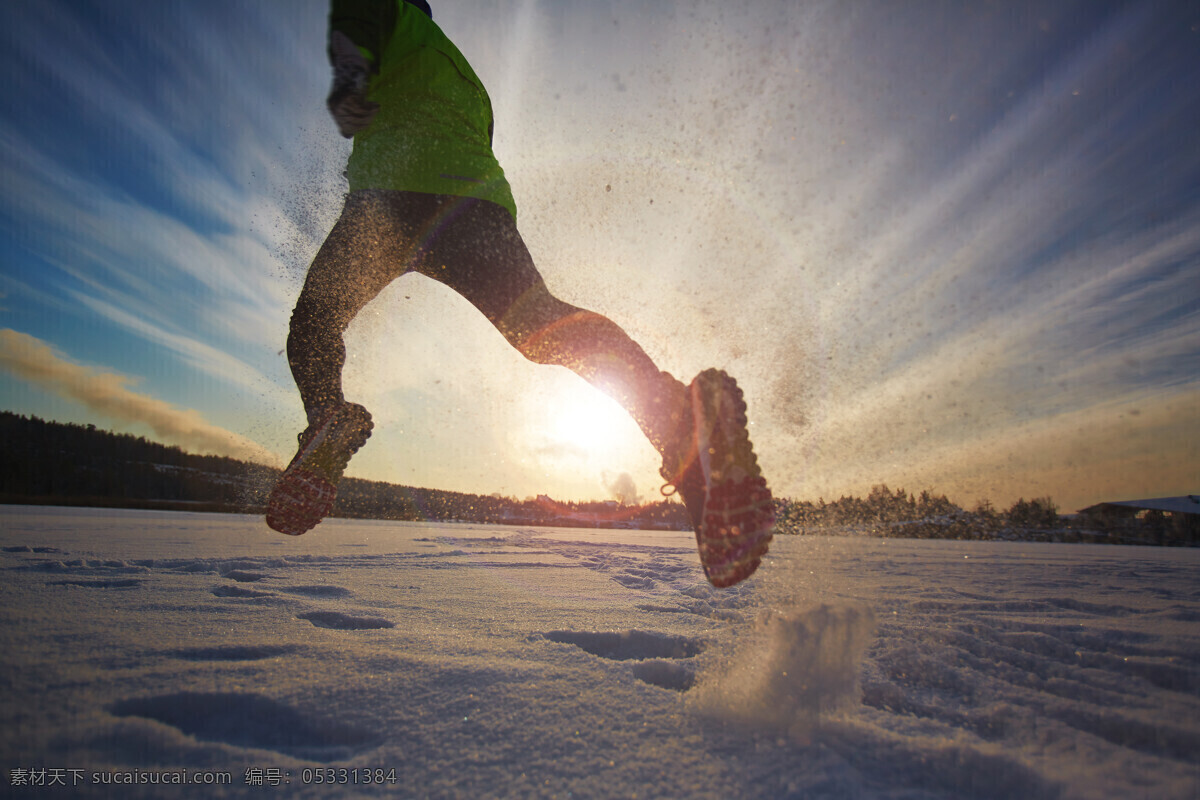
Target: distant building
1188, 504
1159, 520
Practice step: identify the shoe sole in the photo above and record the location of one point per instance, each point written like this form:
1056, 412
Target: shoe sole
299, 501
739, 512
306, 492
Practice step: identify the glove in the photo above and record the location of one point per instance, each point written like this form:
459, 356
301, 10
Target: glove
347, 101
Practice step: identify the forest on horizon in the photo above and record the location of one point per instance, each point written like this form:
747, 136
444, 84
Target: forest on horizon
54, 463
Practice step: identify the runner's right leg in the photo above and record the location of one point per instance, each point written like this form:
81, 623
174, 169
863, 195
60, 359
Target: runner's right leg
349, 270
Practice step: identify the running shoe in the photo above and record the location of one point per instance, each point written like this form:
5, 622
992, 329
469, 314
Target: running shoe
305, 493
717, 476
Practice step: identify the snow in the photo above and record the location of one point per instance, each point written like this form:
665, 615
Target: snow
475, 661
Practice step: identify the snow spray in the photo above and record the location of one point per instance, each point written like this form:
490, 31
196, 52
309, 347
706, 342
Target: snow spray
791, 666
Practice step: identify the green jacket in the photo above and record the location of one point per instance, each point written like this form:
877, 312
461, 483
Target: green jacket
433, 131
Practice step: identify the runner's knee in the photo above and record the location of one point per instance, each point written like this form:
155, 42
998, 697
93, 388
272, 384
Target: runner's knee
538, 325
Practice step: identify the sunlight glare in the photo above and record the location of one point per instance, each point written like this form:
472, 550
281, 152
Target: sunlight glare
593, 422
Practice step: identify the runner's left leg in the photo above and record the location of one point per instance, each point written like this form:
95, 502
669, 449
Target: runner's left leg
700, 430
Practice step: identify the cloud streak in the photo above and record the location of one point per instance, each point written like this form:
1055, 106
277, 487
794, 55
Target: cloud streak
108, 394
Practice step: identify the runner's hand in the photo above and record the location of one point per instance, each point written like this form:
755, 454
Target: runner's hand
347, 101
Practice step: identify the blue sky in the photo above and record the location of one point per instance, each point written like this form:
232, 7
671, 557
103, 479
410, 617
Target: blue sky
953, 246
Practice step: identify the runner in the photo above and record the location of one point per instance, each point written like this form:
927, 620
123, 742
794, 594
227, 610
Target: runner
427, 195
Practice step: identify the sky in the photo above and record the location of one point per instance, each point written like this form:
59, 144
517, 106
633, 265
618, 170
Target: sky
945, 246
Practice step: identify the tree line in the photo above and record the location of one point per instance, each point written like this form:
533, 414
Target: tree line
54, 463
898, 513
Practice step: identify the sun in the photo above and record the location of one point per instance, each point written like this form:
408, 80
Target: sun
591, 421
582, 441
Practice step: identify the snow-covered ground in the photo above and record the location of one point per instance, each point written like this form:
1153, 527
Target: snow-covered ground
472, 661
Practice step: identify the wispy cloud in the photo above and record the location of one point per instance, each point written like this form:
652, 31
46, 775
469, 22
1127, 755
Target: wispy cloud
160, 205
110, 395
199, 355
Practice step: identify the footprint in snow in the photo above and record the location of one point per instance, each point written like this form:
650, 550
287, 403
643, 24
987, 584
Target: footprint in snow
674, 675
635, 581
320, 591
345, 622
248, 720
663, 659
237, 591
123, 583
234, 652
630, 645
244, 576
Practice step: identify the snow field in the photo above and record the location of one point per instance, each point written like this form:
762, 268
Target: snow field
500, 662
